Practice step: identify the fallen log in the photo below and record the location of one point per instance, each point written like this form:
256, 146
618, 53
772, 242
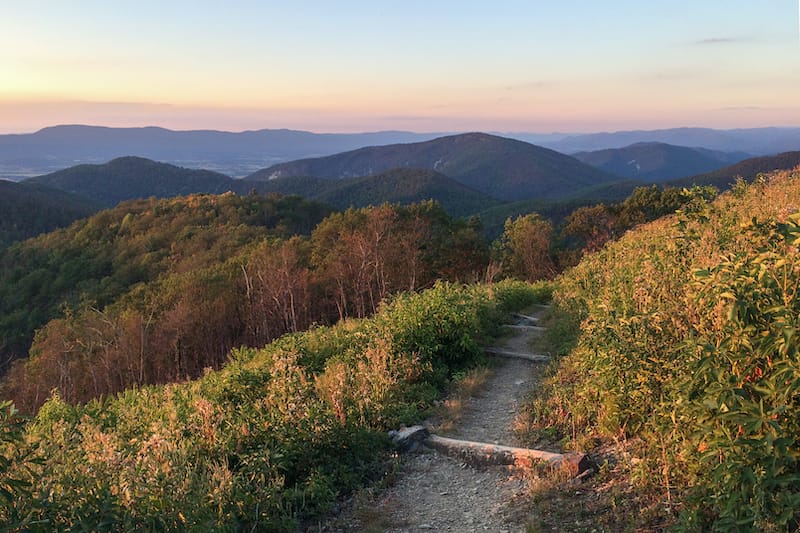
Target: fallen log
523, 326
526, 317
482, 454
517, 355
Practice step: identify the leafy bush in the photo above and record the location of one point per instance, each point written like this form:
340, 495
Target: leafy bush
687, 345
16, 474
513, 295
744, 392
275, 436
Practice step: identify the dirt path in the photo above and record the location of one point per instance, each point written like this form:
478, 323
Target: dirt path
438, 493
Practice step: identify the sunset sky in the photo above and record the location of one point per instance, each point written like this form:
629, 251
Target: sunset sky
527, 65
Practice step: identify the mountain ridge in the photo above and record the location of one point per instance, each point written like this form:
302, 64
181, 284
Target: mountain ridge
747, 169
242, 153
504, 168
232, 153
131, 177
656, 161
756, 141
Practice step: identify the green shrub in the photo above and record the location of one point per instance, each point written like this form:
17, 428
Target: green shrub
744, 392
687, 347
273, 437
514, 295
16, 470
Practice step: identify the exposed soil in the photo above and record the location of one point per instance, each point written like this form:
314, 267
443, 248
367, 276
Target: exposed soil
437, 493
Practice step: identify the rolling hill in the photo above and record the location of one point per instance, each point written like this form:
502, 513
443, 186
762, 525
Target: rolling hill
28, 210
239, 154
493, 218
654, 161
128, 178
758, 141
232, 153
506, 169
748, 169
401, 186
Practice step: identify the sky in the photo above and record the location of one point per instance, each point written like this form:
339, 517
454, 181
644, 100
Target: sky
420, 65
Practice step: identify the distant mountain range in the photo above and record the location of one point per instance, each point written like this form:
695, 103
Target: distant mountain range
235, 154
127, 178
505, 169
654, 162
748, 169
475, 174
756, 141
243, 153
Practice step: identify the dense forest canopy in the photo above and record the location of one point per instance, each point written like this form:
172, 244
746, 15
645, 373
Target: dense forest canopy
28, 210
155, 291
96, 260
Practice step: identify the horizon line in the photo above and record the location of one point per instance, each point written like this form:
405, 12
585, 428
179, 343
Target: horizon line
390, 130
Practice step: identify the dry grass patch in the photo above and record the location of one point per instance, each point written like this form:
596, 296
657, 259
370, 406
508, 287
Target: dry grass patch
608, 501
466, 385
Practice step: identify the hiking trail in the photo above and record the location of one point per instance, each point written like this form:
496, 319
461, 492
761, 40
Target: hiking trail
435, 492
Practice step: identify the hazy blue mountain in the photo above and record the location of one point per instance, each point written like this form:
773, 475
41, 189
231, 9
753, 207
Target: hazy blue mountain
235, 154
650, 161
242, 153
748, 169
756, 141
506, 169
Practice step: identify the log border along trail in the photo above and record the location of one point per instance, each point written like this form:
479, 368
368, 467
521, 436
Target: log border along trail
467, 480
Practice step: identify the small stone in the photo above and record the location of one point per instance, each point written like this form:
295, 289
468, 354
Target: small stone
425, 526
409, 439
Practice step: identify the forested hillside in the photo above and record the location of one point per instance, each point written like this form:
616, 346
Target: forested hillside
655, 162
163, 268
28, 210
157, 290
686, 362
96, 260
401, 185
129, 178
748, 170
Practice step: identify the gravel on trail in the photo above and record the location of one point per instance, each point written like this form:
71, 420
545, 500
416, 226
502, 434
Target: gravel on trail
439, 493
